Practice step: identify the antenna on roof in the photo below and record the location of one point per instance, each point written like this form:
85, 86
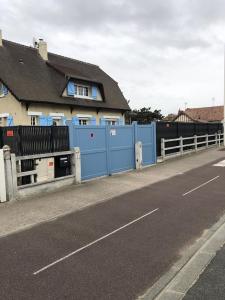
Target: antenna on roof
185, 105
213, 101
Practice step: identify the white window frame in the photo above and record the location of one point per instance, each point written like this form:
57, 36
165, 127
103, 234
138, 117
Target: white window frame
56, 115
34, 113
83, 117
4, 115
34, 121
110, 122
76, 95
34, 117
82, 121
110, 119
3, 118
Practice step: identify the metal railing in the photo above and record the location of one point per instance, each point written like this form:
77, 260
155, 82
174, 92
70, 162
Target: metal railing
185, 145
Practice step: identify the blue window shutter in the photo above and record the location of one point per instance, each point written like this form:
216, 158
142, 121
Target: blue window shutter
102, 121
93, 121
64, 121
121, 121
10, 121
70, 88
49, 121
94, 92
5, 90
75, 121
43, 121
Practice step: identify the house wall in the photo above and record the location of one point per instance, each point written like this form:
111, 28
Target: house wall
18, 110
9, 104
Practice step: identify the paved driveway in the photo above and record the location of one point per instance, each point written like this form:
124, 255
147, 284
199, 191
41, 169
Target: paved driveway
116, 249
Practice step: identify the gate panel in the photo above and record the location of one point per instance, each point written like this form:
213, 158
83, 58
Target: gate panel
92, 143
147, 135
121, 148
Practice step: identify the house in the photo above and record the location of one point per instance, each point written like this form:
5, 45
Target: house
169, 117
42, 88
203, 114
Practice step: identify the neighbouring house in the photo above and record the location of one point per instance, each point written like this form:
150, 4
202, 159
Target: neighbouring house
42, 88
169, 117
202, 114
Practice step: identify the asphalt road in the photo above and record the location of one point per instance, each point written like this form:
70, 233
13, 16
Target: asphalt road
116, 249
210, 285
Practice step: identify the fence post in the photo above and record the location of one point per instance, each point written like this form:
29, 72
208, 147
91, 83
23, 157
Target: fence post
219, 139
14, 175
207, 140
76, 165
181, 146
216, 139
3, 197
163, 152
138, 155
196, 142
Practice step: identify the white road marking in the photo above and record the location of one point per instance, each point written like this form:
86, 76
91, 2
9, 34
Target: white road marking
220, 164
92, 243
198, 187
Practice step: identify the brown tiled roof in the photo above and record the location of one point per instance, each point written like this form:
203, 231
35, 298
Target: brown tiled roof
205, 114
35, 80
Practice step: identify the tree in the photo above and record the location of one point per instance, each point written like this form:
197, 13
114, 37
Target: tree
143, 115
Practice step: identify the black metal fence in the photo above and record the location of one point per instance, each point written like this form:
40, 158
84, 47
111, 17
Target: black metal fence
30, 140
172, 130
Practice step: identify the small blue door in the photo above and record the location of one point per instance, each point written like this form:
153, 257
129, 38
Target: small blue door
147, 135
121, 148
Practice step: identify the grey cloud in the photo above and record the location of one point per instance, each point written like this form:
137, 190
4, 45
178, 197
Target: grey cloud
172, 21
148, 43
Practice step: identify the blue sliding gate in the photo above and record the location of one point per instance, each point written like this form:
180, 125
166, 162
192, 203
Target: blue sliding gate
111, 149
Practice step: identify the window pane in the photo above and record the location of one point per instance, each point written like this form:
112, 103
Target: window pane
80, 90
75, 88
86, 91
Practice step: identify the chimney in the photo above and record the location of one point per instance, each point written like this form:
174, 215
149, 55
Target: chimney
1, 38
41, 45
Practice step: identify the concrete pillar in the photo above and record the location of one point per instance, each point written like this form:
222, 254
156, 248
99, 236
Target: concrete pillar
76, 165
8, 173
3, 197
196, 142
207, 140
138, 155
181, 146
163, 152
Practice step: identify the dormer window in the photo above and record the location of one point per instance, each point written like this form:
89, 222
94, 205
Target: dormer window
81, 90
3, 90
88, 91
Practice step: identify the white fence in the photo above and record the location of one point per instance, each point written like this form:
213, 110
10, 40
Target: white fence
185, 145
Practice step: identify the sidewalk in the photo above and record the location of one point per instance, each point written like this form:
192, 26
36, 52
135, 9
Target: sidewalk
22, 214
210, 285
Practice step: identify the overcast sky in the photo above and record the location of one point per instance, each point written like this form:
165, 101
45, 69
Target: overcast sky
163, 53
